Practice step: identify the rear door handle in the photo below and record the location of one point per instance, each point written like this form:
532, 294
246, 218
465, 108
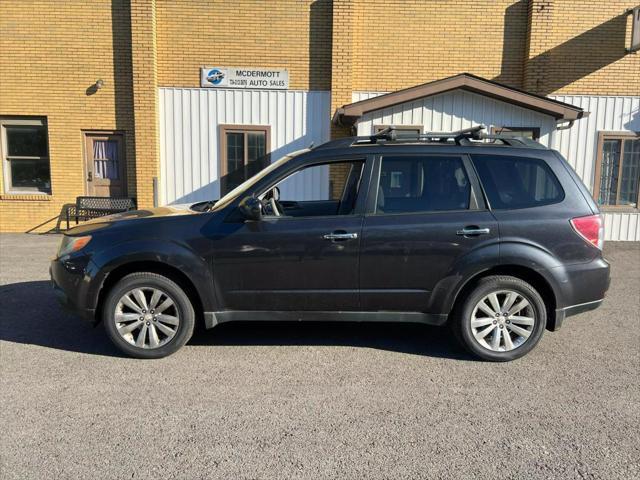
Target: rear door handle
340, 236
472, 231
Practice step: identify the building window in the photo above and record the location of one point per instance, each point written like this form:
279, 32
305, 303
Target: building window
527, 132
617, 180
25, 155
242, 147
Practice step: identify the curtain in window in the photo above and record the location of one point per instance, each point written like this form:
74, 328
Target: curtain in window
105, 159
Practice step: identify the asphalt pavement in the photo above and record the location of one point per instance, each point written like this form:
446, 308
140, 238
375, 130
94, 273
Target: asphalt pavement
314, 400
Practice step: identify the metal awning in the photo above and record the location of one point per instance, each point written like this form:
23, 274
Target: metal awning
349, 114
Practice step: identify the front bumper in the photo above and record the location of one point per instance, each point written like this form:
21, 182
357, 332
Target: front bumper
70, 286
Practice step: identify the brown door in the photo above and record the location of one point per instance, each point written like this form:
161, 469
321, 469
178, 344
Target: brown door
106, 165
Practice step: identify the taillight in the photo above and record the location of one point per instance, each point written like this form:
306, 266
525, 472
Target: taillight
590, 228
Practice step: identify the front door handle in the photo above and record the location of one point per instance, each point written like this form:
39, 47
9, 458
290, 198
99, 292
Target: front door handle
473, 231
340, 236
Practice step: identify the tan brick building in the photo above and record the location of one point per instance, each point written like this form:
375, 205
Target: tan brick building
117, 97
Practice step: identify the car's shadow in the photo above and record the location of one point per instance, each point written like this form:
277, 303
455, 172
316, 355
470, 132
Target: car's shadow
31, 315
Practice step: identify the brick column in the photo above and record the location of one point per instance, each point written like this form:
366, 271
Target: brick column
341, 60
145, 98
341, 80
539, 45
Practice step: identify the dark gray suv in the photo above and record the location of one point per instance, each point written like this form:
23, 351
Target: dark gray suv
496, 237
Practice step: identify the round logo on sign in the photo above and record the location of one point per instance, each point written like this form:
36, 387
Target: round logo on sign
215, 76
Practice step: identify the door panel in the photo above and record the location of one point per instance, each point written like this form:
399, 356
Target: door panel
105, 165
294, 262
404, 256
415, 238
286, 264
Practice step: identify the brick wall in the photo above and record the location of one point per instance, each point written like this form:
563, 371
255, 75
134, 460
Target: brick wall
51, 54
547, 46
578, 47
401, 43
292, 34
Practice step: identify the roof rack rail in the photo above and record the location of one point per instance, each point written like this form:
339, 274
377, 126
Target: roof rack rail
391, 134
466, 137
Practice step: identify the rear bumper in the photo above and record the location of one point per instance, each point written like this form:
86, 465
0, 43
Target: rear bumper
562, 313
581, 283
583, 289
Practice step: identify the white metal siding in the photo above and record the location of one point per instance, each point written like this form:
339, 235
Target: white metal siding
579, 146
454, 110
189, 134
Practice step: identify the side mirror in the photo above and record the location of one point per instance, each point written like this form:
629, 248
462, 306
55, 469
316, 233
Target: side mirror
251, 208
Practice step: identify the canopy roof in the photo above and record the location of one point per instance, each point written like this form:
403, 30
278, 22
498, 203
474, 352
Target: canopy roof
350, 113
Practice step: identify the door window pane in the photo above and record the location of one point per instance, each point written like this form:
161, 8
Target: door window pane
517, 182
422, 184
256, 145
245, 154
105, 159
320, 190
235, 151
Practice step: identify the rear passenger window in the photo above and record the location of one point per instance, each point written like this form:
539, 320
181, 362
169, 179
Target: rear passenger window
517, 182
422, 184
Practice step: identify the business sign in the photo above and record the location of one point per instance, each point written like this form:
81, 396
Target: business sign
244, 77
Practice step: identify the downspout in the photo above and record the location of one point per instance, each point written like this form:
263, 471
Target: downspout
565, 126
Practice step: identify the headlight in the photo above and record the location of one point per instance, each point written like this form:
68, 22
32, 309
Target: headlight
72, 244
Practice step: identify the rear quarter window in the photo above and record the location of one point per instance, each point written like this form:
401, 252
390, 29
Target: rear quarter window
517, 182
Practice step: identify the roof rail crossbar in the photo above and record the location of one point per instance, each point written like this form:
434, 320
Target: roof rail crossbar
465, 136
390, 134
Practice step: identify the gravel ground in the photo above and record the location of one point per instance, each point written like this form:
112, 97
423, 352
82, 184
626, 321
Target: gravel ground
313, 400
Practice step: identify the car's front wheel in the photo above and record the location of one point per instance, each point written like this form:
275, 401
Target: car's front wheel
502, 319
147, 315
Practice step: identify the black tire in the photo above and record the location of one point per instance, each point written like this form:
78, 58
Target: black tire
183, 307
462, 315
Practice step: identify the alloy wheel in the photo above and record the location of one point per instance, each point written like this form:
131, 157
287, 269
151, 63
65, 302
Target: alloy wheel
146, 317
502, 320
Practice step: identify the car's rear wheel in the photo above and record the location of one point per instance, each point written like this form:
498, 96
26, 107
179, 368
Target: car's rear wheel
501, 319
147, 315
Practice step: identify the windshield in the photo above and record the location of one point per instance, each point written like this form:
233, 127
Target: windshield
236, 192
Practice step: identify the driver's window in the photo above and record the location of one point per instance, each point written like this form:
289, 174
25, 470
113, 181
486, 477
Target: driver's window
318, 190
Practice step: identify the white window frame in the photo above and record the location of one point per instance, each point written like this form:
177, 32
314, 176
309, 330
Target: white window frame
6, 163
